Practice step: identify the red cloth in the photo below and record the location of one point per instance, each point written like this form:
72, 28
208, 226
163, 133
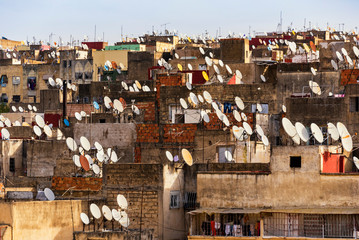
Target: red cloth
213, 229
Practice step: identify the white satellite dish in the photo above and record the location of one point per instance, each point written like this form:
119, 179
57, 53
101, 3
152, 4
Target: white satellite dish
47, 131
116, 215
96, 169
265, 140
37, 131
356, 162
49, 194
187, 157
95, 211
228, 155
40, 121
194, 98
263, 78
189, 85
314, 72
201, 50
317, 133
124, 85
118, 105
356, 51
200, 98
76, 159
259, 130
205, 116
296, 139
59, 82
220, 62
169, 156
208, 61
220, 78
29, 107
215, 106
247, 128
345, 53
84, 218
216, 69
176, 56
85, 143
339, 56
5, 134
207, 96
114, 157
71, 144
302, 132
238, 133
106, 211
259, 107
98, 146
236, 115
124, 221
107, 102
284, 108
189, 66
315, 87
183, 103
229, 70
83, 113
78, 116
346, 138
17, 123
239, 74
51, 82
7, 122
333, 131
334, 65
21, 109
13, 108
244, 117
211, 55
34, 108
350, 61
121, 201
239, 103
289, 128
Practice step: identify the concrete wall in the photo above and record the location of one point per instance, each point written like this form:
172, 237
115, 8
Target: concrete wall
285, 187
138, 65
41, 220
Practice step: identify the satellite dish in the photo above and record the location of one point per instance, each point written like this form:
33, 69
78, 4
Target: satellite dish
8, 122
2, 124
347, 140
114, 156
228, 155
259, 130
205, 116
116, 215
350, 61
207, 96
236, 115
356, 51
106, 211
183, 103
47, 131
5, 134
225, 120
265, 140
21, 109
17, 123
84, 218
208, 61
220, 62
333, 131
176, 56
100, 156
238, 133
205, 76
229, 70
187, 157
124, 85
263, 78
40, 121
84, 163
95, 105
247, 128
296, 139
78, 116
34, 108
244, 116
259, 107
29, 107
189, 66
220, 78
169, 156
66, 122
59, 82
194, 98
302, 132
179, 66
215, 106
189, 85
107, 102
334, 65
81, 150
121, 201
289, 128
95, 211
13, 108
315, 87
71, 144
200, 98
339, 56
317, 133
314, 72
118, 105
124, 221
345, 53
284, 108
201, 50
211, 54
96, 169
49, 194
76, 159
239, 103
356, 162
138, 84
98, 146
37, 131
83, 113
85, 143
239, 74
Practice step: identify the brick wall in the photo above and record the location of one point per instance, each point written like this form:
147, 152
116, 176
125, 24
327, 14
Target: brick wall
180, 133
216, 124
137, 154
84, 184
148, 133
72, 108
165, 80
142, 185
150, 110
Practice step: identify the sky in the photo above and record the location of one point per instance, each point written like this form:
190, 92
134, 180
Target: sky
29, 19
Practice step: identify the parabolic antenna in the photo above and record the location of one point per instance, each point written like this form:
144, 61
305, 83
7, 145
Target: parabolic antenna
200, 98
356, 51
118, 105
34, 108
193, 98
263, 78
187, 157
78, 116
89, 159
205, 116
116, 215
7, 122
29, 107
314, 72
265, 140
5, 133
183, 103
95, 105
284, 108
85, 143
239, 103
225, 120
189, 66
59, 82
100, 156
247, 128
334, 65
237, 116
84, 218
350, 61
239, 74
339, 56
74, 88
356, 162
124, 221
17, 123
98, 146
289, 128
179, 66
208, 61
220, 78
207, 96
211, 55
76, 159
244, 117
47, 131
215, 106
347, 140
96, 169
51, 82
229, 70
228, 155
201, 50
49, 194
121, 201
238, 132
345, 53
21, 109
106, 211
205, 75
114, 157
169, 156
259, 107
216, 69
2, 124
66, 122
296, 139
107, 102
95, 211
317, 133
333, 131
40, 121
13, 108
302, 131
37, 131
84, 163
124, 85
176, 56
315, 87
259, 130
189, 85
220, 62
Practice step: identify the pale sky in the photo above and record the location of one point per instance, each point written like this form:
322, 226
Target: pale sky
25, 19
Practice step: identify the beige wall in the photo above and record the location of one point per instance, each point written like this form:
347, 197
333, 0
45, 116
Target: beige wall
56, 220
100, 57
284, 187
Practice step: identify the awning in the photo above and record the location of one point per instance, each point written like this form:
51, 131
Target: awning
211, 211
314, 210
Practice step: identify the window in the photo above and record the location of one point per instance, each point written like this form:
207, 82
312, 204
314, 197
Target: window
4, 80
78, 75
354, 104
102, 120
175, 199
202, 67
225, 154
295, 161
264, 108
4, 97
190, 200
31, 83
88, 75
12, 165
16, 98
176, 114
15, 80
86, 100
